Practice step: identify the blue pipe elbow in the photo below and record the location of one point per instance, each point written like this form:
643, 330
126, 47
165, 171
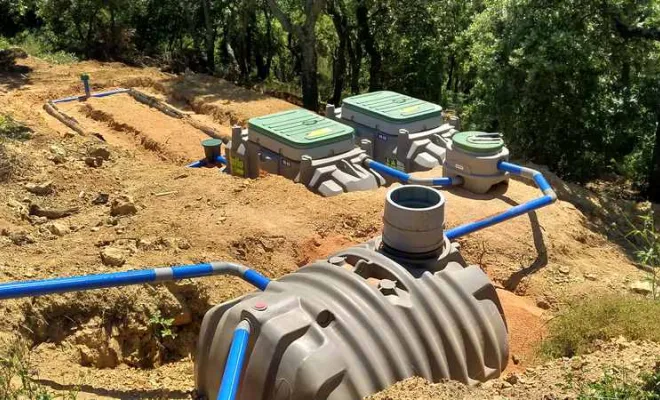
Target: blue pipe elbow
409, 179
549, 197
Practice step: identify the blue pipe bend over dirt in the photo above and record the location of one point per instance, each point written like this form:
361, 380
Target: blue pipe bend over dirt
409, 179
203, 163
231, 377
549, 197
13, 290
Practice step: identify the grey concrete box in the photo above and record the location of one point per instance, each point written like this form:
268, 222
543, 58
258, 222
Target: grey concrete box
474, 156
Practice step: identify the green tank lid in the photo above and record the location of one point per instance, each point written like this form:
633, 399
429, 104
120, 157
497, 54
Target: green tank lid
301, 128
392, 107
478, 142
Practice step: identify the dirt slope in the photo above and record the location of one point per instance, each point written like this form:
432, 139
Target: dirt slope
186, 216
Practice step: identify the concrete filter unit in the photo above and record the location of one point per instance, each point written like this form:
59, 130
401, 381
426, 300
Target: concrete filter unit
305, 147
397, 130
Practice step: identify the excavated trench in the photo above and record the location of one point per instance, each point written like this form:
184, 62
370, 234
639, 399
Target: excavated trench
142, 327
121, 120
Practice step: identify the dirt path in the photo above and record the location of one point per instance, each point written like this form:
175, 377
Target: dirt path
186, 216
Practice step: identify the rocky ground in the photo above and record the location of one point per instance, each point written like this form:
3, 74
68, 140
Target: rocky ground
121, 198
559, 379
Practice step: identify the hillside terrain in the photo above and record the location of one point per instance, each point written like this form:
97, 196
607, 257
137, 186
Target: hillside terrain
141, 207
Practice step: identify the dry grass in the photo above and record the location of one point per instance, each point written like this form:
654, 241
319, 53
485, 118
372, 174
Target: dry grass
8, 163
576, 330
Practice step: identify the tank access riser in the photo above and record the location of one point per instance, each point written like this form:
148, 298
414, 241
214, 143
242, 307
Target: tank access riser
345, 327
328, 168
474, 157
397, 130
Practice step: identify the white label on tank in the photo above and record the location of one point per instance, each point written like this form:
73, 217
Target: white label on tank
459, 167
382, 137
286, 162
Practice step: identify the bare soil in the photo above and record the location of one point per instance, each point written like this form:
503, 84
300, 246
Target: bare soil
568, 378
102, 342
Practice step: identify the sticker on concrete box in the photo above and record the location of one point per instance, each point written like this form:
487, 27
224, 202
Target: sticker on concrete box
394, 163
237, 166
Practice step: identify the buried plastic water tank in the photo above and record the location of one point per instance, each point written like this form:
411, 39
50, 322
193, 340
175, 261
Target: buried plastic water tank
401, 305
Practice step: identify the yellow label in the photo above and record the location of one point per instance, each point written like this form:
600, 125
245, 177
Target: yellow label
318, 133
237, 167
410, 109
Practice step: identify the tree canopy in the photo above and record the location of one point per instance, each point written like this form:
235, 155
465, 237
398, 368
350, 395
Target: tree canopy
572, 84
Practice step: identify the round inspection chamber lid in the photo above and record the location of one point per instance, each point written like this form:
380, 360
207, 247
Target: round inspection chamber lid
478, 142
211, 142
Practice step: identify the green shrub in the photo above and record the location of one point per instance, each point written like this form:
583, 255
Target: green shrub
16, 377
38, 45
614, 387
4, 43
12, 129
575, 331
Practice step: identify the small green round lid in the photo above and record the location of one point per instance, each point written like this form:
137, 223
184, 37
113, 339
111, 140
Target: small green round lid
478, 142
211, 142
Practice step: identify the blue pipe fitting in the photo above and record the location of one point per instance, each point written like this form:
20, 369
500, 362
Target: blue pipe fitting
231, 377
13, 290
384, 169
549, 197
409, 179
203, 163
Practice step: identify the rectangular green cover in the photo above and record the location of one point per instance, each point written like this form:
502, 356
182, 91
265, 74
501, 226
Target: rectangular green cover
392, 107
301, 129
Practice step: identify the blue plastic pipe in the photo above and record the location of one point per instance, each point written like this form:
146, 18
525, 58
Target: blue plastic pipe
89, 282
409, 179
231, 378
100, 94
549, 197
202, 163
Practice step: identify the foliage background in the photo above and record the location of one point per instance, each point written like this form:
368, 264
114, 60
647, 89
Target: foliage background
572, 84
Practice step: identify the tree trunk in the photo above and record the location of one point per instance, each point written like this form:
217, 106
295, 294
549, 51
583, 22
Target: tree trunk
654, 177
306, 36
308, 78
210, 36
339, 64
355, 56
452, 63
263, 68
370, 45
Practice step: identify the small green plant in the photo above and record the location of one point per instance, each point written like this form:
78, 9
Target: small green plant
620, 386
163, 326
12, 129
646, 240
574, 331
17, 380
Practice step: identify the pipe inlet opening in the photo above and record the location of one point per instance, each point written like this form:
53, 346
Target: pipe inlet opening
413, 221
415, 197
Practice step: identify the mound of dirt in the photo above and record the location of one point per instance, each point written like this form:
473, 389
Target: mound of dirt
559, 379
